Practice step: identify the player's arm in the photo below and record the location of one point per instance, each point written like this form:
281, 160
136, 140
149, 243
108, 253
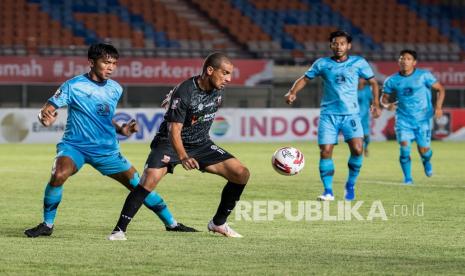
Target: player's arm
375, 107
298, 85
47, 114
175, 129
386, 104
441, 94
126, 129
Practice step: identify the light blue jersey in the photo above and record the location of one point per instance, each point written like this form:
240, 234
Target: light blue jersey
364, 101
340, 80
413, 95
91, 107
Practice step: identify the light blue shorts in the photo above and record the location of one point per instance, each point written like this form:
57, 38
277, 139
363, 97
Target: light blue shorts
105, 164
419, 132
329, 127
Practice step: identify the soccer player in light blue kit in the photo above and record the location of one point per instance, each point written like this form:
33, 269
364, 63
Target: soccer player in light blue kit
365, 96
414, 110
90, 137
339, 108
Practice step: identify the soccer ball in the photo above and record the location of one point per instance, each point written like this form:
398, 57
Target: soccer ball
288, 161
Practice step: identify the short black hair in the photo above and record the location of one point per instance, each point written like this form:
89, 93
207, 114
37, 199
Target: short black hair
339, 33
410, 52
99, 50
214, 60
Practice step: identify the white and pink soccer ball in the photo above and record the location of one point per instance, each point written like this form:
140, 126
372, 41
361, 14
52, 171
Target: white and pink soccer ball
288, 161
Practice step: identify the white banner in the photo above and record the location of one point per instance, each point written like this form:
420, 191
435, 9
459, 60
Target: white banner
231, 124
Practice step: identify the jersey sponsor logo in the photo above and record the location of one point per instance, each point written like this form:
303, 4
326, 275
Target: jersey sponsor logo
103, 109
175, 103
57, 93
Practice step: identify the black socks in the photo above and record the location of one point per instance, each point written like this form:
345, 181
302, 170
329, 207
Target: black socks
231, 193
131, 206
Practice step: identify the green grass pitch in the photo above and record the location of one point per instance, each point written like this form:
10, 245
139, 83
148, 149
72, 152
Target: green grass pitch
428, 242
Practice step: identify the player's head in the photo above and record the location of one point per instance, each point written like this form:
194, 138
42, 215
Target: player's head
102, 59
340, 42
217, 68
407, 60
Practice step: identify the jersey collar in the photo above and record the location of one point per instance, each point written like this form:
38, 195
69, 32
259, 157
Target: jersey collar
333, 59
405, 76
96, 82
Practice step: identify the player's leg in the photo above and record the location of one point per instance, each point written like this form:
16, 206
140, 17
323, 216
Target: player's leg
405, 135
366, 133
328, 131
353, 135
130, 179
149, 180
67, 162
326, 168
423, 139
354, 164
160, 161
237, 176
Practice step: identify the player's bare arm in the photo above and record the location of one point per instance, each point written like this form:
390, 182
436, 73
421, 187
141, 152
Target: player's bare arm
126, 129
47, 115
298, 85
386, 104
375, 107
188, 163
441, 94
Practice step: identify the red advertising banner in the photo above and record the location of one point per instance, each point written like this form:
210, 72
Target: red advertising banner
18, 70
450, 74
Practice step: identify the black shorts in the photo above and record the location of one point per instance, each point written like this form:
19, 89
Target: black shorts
163, 155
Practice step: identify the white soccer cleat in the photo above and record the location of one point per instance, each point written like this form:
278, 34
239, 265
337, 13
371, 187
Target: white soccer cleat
224, 230
325, 197
117, 236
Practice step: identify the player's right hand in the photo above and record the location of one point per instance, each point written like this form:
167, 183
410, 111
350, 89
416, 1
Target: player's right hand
47, 117
290, 97
189, 163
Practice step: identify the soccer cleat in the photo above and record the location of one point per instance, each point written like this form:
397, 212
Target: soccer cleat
117, 236
349, 193
325, 197
40, 230
408, 181
224, 230
181, 228
428, 169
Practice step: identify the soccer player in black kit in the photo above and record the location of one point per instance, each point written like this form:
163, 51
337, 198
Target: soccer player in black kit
183, 138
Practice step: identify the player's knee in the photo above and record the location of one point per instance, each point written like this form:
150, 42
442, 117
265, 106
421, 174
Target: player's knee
423, 150
325, 153
241, 175
58, 178
357, 151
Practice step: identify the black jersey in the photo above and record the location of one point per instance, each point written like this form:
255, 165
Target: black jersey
194, 108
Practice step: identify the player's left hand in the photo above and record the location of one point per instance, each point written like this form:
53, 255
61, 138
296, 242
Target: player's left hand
129, 128
290, 97
375, 111
438, 113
